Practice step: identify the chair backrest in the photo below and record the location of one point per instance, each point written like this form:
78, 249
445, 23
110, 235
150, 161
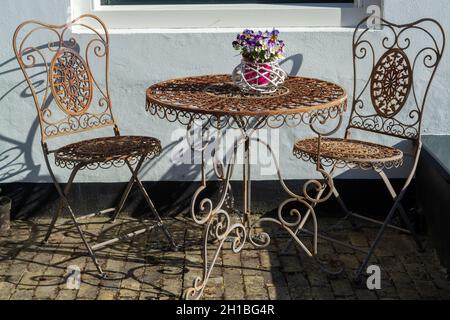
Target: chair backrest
393, 71
70, 93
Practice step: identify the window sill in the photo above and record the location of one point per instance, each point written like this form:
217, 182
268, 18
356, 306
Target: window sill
78, 30
215, 17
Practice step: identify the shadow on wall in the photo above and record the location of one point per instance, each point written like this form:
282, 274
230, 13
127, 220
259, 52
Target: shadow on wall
16, 155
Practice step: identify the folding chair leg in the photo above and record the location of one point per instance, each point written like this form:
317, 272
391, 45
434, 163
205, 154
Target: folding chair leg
53, 222
401, 210
83, 238
157, 216
124, 197
72, 215
375, 243
151, 205
60, 204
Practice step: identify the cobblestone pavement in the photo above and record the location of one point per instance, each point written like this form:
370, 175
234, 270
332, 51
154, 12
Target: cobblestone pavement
144, 268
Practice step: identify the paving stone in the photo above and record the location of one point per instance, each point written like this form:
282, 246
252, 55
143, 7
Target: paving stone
387, 291
172, 286
233, 285
417, 271
444, 294
342, 287
45, 292
399, 278
67, 294
392, 264
290, 264
214, 289
130, 284
23, 294
298, 286
269, 259
4, 267
254, 286
384, 249
148, 295
278, 293
301, 293
125, 294
275, 278
87, 291
232, 275
350, 261
341, 249
407, 291
410, 258
231, 259
258, 297
105, 294
365, 294
427, 289
6, 290
30, 279
322, 293
251, 266
141, 269
317, 278
17, 269
359, 240
40, 262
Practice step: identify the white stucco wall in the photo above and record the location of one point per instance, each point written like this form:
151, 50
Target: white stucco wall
139, 59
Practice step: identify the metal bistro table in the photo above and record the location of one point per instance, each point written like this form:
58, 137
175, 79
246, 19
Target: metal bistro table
212, 101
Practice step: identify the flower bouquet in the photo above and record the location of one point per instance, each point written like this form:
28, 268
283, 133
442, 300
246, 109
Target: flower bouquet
259, 71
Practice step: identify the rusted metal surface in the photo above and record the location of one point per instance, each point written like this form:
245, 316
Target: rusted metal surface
389, 102
215, 95
348, 152
71, 82
214, 102
69, 99
59, 68
107, 152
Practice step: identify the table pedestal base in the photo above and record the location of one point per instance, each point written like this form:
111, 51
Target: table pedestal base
221, 227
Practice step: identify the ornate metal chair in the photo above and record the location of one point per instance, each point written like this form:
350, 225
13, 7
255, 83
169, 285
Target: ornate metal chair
71, 98
389, 103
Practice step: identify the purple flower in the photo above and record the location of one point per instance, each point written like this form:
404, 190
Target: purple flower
259, 46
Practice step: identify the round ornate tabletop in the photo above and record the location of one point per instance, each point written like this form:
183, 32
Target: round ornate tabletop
215, 95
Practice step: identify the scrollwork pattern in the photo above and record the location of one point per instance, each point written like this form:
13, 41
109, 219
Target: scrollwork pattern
107, 152
394, 107
222, 228
172, 114
71, 82
68, 76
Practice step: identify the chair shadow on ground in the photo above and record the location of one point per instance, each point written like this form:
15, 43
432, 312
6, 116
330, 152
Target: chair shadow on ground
146, 258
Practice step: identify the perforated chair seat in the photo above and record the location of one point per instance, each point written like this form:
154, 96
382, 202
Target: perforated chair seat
349, 152
106, 150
